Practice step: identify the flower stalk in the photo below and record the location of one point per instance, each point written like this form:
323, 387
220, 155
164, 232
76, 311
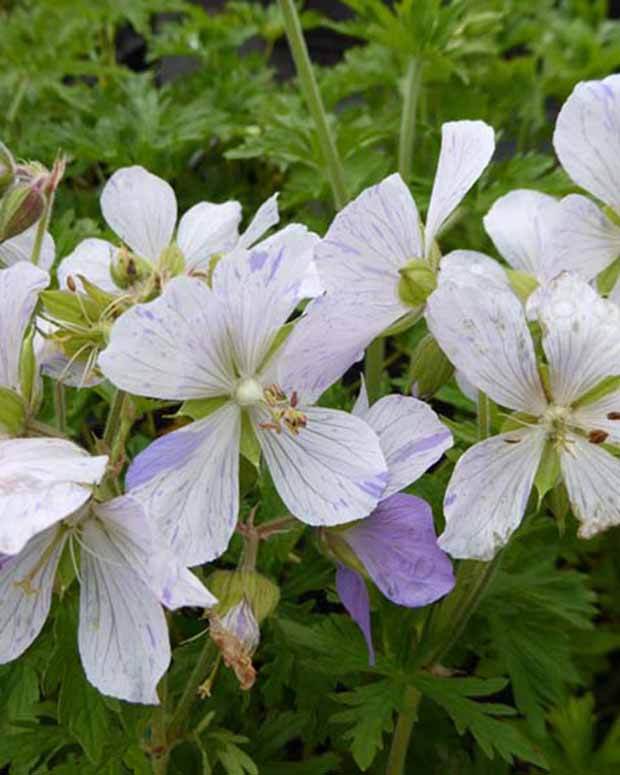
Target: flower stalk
314, 101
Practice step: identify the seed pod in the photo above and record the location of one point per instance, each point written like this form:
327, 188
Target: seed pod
20, 208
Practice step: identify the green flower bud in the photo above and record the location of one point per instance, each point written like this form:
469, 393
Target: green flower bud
430, 368
7, 168
230, 587
20, 208
28, 374
417, 282
128, 269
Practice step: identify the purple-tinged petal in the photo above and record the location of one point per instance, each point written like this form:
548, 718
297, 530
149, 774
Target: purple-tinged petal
587, 138
398, 547
20, 248
353, 592
266, 216
188, 482
259, 289
331, 472
208, 229
411, 436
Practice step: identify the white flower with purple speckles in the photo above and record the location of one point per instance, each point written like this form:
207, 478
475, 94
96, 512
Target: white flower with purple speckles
195, 342
397, 544
587, 142
484, 333
141, 209
374, 237
125, 572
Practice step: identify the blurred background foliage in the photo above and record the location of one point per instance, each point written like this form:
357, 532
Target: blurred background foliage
203, 94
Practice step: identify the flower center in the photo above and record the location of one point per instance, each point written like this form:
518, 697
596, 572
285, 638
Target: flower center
555, 421
249, 392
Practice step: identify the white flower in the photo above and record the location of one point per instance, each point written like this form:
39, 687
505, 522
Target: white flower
141, 209
200, 343
484, 332
374, 237
125, 573
587, 142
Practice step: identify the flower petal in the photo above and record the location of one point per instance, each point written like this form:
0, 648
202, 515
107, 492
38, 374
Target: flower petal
330, 337
411, 436
521, 225
41, 482
466, 149
586, 241
587, 138
20, 248
398, 546
122, 635
260, 289
592, 478
142, 209
470, 268
488, 492
483, 331
23, 611
188, 483
92, 258
20, 286
206, 230
147, 553
581, 337
175, 347
353, 592
368, 242
265, 217
599, 415
332, 472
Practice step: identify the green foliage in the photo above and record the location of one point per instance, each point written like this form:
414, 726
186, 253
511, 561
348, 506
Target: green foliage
528, 684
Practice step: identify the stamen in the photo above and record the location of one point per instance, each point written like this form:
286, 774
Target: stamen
283, 411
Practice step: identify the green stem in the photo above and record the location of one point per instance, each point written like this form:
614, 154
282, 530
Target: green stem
312, 96
413, 81
42, 226
402, 734
160, 749
484, 416
373, 368
113, 423
177, 723
16, 101
60, 406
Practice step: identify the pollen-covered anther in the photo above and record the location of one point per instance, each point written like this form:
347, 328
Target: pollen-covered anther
283, 411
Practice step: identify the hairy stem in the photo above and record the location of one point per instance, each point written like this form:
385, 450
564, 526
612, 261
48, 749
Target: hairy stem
184, 707
484, 416
413, 80
113, 423
312, 96
44, 221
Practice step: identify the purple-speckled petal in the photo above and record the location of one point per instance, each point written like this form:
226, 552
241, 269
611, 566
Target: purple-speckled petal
411, 436
488, 492
331, 472
188, 482
260, 289
352, 590
587, 138
398, 546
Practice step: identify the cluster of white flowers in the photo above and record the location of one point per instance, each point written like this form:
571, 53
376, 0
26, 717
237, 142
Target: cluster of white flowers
200, 314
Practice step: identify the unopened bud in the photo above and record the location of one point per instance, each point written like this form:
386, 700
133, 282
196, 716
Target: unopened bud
128, 269
230, 587
12, 413
417, 282
237, 635
20, 208
430, 368
7, 168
